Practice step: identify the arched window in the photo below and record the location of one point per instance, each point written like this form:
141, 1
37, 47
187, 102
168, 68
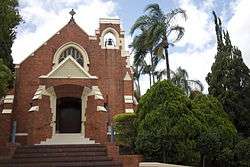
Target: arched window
71, 51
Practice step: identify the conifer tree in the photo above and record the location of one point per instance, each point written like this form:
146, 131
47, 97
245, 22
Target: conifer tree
9, 19
229, 80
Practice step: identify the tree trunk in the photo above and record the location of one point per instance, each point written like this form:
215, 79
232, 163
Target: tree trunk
164, 155
150, 78
203, 160
167, 62
139, 87
152, 68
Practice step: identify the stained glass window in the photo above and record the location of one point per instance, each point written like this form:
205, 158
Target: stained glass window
72, 52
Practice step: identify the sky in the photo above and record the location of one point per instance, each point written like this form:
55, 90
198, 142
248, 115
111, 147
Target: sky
195, 52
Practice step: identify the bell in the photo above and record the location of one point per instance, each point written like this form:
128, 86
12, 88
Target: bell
110, 42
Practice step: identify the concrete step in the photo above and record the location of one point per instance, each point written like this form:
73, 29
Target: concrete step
67, 139
66, 164
59, 154
60, 150
61, 159
86, 155
64, 146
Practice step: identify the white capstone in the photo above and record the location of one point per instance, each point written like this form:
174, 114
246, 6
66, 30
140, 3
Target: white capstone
97, 93
109, 20
34, 108
101, 108
7, 111
127, 77
129, 110
9, 99
128, 99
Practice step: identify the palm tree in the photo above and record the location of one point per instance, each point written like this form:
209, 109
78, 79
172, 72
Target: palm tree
180, 78
139, 56
138, 68
136, 76
157, 26
159, 74
141, 48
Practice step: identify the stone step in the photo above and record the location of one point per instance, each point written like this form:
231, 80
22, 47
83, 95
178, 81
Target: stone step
59, 154
59, 159
86, 155
66, 142
66, 164
67, 139
64, 146
56, 150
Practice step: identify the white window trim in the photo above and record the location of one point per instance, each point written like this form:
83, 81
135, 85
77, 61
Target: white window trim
74, 45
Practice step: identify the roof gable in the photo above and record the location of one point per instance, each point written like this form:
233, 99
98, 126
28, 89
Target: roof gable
69, 68
71, 25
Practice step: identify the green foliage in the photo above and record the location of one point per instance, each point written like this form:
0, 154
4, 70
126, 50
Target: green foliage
9, 19
164, 123
229, 80
217, 133
181, 79
242, 153
125, 129
6, 78
175, 129
123, 117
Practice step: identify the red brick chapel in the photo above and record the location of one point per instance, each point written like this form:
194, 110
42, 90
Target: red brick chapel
68, 90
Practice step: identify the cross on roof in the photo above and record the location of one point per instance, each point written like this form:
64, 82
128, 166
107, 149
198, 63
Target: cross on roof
72, 13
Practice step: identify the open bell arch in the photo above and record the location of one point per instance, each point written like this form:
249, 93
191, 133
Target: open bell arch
116, 36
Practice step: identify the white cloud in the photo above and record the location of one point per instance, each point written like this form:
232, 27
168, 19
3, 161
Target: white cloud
196, 50
239, 28
198, 27
45, 18
197, 63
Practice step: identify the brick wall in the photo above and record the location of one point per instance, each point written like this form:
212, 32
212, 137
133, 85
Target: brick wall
127, 160
107, 64
5, 128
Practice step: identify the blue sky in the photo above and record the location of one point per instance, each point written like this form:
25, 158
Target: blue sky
195, 52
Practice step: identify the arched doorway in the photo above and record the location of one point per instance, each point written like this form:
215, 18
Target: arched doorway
68, 115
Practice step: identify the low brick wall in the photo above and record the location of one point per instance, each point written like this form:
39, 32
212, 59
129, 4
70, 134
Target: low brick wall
127, 160
155, 164
7, 151
131, 160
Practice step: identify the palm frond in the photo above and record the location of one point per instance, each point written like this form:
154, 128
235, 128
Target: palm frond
141, 23
160, 74
196, 84
173, 13
182, 73
153, 8
146, 69
179, 30
139, 56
